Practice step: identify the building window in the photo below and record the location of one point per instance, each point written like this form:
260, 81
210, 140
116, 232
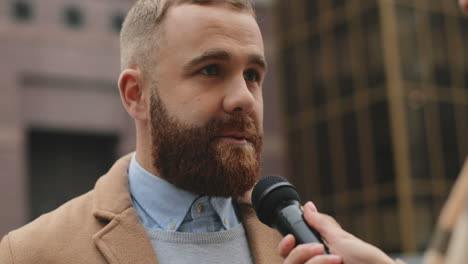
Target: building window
22, 11
372, 46
418, 146
319, 96
448, 133
63, 165
295, 150
338, 3
117, 22
73, 17
312, 9
322, 134
383, 151
351, 150
290, 81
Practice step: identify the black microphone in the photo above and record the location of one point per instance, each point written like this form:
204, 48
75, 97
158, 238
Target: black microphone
276, 203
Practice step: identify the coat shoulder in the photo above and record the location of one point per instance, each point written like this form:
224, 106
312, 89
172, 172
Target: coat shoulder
62, 232
5, 251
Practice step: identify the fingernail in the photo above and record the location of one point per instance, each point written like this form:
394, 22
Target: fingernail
290, 241
311, 206
285, 242
316, 248
334, 258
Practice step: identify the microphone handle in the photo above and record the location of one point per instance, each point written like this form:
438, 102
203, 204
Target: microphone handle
291, 221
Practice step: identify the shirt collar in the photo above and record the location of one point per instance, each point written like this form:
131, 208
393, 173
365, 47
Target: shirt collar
161, 200
223, 207
167, 204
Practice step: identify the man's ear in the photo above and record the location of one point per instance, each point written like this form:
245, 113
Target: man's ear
132, 94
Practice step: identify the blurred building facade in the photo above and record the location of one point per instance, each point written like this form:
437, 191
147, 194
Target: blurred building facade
376, 111
62, 124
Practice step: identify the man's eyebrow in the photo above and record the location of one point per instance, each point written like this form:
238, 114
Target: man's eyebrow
222, 55
212, 54
258, 60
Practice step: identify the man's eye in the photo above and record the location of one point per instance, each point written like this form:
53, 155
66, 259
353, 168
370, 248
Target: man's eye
251, 76
210, 70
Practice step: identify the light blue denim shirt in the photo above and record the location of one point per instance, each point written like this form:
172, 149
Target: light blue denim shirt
162, 206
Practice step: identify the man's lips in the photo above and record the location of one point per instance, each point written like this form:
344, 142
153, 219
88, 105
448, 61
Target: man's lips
234, 137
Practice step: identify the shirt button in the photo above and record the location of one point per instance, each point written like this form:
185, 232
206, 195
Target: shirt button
200, 208
171, 225
226, 222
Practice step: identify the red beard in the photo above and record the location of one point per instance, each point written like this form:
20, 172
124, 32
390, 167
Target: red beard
194, 159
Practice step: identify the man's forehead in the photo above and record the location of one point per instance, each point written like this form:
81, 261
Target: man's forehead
203, 25
197, 13
237, 6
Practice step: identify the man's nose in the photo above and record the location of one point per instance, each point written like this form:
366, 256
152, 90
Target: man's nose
238, 97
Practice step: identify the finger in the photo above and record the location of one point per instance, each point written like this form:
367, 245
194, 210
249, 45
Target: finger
319, 220
311, 206
304, 252
286, 245
326, 259
324, 224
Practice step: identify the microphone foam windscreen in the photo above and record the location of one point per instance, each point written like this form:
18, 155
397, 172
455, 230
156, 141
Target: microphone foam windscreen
269, 194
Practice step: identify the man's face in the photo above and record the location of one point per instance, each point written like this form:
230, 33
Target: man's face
206, 104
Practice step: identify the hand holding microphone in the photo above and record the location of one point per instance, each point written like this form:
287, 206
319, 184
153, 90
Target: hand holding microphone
277, 205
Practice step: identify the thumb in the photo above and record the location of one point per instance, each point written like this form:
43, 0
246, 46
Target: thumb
328, 228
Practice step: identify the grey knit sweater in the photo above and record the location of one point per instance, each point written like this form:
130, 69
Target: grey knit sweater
228, 246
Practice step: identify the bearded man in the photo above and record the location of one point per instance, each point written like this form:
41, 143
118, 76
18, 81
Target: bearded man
192, 75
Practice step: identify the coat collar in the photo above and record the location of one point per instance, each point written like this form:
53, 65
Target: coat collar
123, 239
112, 195
263, 240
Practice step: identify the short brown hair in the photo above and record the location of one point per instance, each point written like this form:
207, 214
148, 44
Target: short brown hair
140, 30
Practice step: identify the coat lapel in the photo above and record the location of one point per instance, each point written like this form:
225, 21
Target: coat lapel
123, 239
263, 240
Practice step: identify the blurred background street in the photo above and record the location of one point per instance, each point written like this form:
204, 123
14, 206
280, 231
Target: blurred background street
366, 107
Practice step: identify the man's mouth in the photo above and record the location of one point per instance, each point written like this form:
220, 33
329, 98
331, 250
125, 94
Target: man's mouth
237, 138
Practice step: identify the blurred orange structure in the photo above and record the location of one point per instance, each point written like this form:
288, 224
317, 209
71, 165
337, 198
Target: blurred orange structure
376, 111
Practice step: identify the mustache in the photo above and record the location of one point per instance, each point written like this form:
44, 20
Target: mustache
239, 123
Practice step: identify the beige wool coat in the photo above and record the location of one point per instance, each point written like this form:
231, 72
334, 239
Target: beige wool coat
102, 227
